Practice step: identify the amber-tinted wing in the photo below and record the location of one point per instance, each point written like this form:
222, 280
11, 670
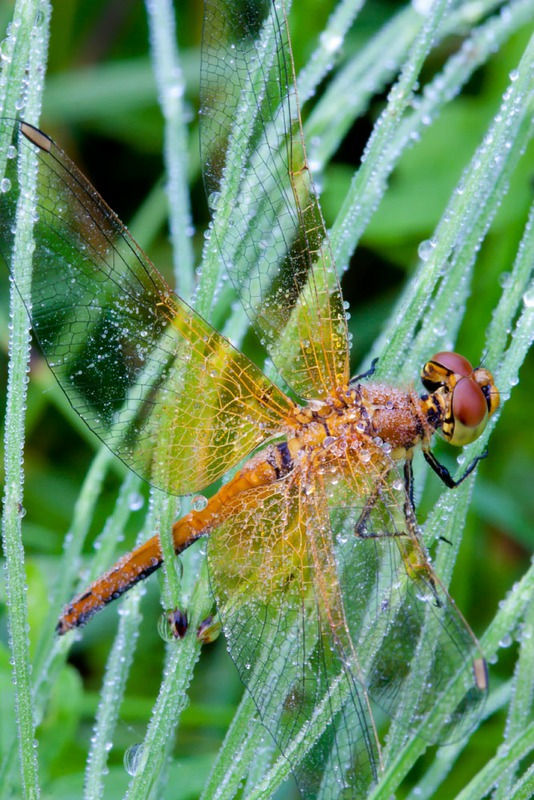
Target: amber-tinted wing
328, 627
168, 394
278, 594
416, 647
268, 223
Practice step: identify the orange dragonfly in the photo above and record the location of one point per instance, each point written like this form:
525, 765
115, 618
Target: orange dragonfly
321, 626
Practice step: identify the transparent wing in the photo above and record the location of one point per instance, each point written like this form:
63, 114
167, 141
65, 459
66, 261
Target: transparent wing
333, 614
268, 224
418, 647
168, 394
275, 578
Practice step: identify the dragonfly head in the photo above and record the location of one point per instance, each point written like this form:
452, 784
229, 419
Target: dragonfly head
460, 398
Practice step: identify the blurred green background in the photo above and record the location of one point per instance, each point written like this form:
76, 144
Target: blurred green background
100, 104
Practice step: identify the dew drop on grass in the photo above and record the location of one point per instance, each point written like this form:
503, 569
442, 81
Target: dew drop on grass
425, 249
135, 501
132, 758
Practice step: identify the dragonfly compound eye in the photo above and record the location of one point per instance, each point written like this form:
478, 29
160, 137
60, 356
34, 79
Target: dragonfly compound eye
469, 412
444, 370
467, 397
453, 362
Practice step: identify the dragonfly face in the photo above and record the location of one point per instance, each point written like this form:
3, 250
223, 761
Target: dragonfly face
323, 585
463, 398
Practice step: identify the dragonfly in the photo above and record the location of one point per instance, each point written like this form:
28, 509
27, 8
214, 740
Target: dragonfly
324, 588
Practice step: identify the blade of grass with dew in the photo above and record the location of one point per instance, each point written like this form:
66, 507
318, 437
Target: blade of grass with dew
181, 659
508, 756
121, 655
367, 73
510, 612
521, 705
171, 90
469, 208
466, 220
172, 697
375, 162
242, 741
26, 47
86, 503
113, 687
447, 520
430, 783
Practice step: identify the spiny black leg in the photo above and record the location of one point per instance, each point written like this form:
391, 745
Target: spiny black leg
370, 372
443, 473
409, 502
409, 513
360, 527
408, 481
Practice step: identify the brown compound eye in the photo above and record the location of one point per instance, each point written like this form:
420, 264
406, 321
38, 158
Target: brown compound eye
444, 370
469, 412
454, 362
470, 395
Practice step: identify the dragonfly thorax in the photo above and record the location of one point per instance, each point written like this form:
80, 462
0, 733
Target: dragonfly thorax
355, 419
457, 405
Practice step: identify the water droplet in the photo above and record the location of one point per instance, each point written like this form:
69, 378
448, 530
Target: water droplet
422, 7
5, 185
209, 629
331, 41
172, 625
506, 640
214, 199
425, 249
135, 501
133, 757
199, 502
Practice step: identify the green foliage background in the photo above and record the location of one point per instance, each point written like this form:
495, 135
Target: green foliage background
100, 103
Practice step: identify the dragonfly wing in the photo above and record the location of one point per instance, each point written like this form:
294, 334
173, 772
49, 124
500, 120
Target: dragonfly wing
168, 394
275, 579
269, 225
423, 664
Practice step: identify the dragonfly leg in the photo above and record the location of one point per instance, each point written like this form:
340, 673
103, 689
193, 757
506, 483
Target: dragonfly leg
370, 372
360, 528
408, 484
443, 473
420, 569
